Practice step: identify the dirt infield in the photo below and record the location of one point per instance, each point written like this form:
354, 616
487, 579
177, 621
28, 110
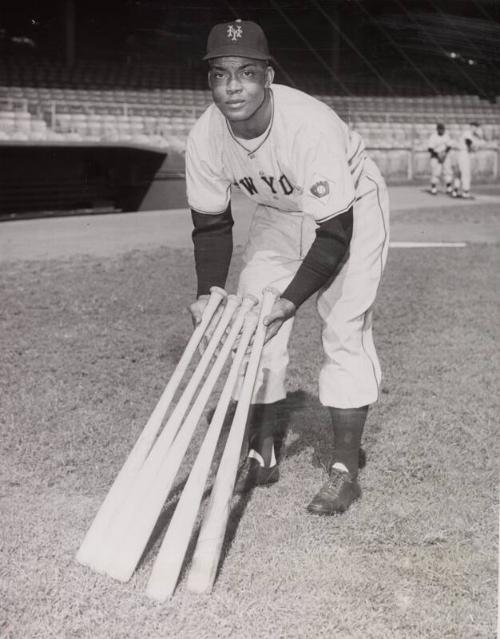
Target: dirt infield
416, 216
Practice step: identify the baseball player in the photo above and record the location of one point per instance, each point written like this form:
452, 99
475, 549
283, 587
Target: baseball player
468, 142
321, 226
439, 146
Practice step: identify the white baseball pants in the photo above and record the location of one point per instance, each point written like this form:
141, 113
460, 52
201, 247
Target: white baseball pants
439, 169
464, 166
278, 241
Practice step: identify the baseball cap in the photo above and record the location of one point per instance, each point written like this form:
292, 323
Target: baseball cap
242, 38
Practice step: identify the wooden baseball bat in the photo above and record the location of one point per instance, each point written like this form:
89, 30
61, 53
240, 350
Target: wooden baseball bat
111, 533
172, 552
92, 541
134, 525
211, 538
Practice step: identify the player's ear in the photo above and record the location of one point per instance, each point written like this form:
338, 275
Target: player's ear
209, 75
269, 76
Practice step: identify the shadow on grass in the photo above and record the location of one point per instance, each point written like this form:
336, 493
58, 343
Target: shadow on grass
303, 418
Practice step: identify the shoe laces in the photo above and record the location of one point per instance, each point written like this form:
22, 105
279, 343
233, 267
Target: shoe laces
335, 481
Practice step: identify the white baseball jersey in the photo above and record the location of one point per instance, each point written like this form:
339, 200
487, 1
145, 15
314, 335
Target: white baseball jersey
304, 169
308, 160
468, 135
439, 143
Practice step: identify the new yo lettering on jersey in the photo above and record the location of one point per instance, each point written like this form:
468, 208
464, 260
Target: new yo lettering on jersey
274, 185
278, 191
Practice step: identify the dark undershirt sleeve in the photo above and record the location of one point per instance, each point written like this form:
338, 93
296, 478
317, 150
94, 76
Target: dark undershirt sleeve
213, 248
323, 258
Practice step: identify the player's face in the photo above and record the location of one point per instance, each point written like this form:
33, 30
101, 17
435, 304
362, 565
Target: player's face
239, 86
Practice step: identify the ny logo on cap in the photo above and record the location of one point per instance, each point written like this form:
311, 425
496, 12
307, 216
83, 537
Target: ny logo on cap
233, 33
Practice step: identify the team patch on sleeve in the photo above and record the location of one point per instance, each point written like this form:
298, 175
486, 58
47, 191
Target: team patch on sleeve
322, 188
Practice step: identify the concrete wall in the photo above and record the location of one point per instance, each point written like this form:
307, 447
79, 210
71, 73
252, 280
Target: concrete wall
400, 165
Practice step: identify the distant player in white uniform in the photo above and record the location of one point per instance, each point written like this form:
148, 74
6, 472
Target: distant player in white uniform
321, 226
439, 146
468, 142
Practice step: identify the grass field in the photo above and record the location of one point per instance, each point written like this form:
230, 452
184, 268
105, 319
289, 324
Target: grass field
87, 345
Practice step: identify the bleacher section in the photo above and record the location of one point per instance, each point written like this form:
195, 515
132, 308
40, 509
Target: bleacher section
151, 105
160, 118
92, 75
163, 117
51, 105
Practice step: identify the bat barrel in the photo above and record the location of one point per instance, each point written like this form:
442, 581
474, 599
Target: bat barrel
172, 552
90, 550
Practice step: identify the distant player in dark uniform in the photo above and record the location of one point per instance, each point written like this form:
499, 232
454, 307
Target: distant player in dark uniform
321, 226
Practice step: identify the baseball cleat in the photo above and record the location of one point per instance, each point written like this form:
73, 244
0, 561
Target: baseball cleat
433, 190
336, 494
252, 474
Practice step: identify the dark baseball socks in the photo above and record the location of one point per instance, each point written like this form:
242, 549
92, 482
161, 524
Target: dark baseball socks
264, 442
342, 488
261, 465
